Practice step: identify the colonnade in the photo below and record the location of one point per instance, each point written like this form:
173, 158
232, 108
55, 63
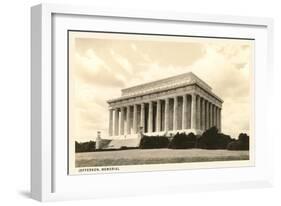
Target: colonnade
180, 112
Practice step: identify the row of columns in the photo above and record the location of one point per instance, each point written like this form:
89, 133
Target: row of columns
207, 114
198, 113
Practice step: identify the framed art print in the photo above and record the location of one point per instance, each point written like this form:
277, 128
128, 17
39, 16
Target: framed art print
137, 102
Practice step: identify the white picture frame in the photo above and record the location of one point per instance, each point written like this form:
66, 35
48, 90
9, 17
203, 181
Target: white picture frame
49, 179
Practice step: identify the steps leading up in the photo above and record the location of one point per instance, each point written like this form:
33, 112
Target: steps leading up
120, 143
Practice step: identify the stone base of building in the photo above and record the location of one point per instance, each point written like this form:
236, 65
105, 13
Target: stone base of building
107, 144
172, 133
133, 140
162, 133
127, 136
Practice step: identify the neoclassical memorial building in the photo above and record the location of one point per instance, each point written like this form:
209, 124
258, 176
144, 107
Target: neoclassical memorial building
182, 103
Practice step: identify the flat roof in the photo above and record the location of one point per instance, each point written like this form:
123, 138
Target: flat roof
173, 82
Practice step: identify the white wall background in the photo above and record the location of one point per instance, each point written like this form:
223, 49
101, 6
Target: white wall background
15, 95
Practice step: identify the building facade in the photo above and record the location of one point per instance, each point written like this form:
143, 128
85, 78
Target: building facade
182, 103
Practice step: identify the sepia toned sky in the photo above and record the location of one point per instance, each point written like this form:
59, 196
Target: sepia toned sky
106, 63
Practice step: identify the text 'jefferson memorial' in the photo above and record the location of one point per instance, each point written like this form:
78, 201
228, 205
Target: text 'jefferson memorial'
182, 103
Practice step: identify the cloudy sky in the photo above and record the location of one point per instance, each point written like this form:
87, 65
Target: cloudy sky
103, 64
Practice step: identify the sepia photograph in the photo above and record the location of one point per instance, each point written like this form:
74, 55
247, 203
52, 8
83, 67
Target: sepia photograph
146, 102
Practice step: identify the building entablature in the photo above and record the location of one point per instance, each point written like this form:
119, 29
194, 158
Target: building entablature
187, 90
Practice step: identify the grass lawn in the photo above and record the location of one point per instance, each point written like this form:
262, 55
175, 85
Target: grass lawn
155, 156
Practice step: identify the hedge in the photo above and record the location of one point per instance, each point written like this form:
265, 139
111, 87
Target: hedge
183, 141
85, 146
241, 144
153, 142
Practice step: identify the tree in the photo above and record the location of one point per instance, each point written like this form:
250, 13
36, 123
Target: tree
211, 139
241, 144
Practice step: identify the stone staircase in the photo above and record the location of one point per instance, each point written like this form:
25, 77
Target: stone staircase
120, 143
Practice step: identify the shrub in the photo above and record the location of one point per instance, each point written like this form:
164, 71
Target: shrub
123, 148
208, 140
233, 145
241, 144
244, 138
211, 139
183, 141
223, 140
85, 146
153, 142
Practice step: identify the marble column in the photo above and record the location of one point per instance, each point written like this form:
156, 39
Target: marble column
207, 115
198, 111
175, 118
122, 120
216, 117
211, 115
219, 119
142, 118
184, 112
116, 122
150, 117
110, 122
188, 112
135, 130
128, 121
158, 116
193, 111
166, 115
203, 116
